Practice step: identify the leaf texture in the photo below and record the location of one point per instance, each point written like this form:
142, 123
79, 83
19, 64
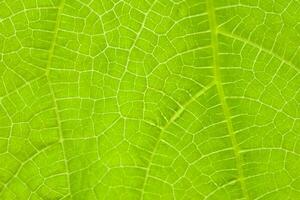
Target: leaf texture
149, 99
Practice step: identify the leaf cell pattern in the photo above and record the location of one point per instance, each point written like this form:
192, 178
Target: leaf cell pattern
149, 99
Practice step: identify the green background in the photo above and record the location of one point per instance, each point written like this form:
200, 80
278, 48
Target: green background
149, 99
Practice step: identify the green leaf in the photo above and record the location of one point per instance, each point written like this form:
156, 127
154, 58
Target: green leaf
149, 99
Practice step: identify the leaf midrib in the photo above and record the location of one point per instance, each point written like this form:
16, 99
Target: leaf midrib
217, 75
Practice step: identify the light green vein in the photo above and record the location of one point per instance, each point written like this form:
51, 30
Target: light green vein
54, 39
260, 47
175, 116
49, 62
225, 108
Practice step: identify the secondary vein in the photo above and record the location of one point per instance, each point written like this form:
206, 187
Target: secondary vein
54, 39
49, 62
175, 116
220, 90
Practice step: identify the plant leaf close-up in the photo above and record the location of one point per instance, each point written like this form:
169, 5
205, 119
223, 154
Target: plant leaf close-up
149, 99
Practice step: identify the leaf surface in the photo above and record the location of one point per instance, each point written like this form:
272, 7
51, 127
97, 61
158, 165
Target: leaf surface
149, 99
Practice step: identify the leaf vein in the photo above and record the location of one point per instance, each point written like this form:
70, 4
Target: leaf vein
220, 90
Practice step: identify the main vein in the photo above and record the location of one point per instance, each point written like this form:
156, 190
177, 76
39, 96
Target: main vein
49, 62
225, 108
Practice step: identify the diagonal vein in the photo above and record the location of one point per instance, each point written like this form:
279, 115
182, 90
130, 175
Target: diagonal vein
225, 108
260, 47
49, 62
175, 116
